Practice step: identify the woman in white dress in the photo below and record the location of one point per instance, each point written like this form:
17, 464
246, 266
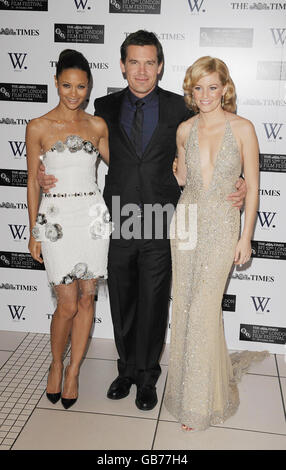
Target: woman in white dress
71, 227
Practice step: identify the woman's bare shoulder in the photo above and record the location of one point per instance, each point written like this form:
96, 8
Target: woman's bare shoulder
39, 124
239, 123
97, 123
185, 127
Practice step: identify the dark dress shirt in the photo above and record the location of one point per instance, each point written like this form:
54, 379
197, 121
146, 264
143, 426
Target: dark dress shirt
150, 112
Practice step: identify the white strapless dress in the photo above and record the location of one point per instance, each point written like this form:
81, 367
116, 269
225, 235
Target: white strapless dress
73, 222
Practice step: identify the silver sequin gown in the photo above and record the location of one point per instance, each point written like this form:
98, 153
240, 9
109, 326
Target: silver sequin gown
201, 386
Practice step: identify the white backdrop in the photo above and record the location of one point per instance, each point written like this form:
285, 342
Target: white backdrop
249, 36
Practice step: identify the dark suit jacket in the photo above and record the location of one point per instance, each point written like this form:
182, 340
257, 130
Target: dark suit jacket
150, 179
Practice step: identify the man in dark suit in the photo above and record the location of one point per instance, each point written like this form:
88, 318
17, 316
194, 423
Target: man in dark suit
140, 173
142, 121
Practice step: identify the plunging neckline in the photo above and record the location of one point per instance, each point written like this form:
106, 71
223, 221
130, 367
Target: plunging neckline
206, 189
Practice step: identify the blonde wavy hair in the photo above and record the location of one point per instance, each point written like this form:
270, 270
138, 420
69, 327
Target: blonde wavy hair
205, 66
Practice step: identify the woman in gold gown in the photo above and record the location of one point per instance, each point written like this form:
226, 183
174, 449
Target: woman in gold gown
213, 148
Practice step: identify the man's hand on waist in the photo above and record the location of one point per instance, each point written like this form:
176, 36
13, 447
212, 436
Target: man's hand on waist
45, 181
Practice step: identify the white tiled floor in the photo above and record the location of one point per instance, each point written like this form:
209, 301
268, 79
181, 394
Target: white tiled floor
28, 421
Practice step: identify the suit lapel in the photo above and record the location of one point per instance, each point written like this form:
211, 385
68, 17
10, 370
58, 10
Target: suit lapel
115, 106
115, 113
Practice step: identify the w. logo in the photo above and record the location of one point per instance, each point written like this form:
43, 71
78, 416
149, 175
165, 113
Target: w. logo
196, 5
18, 148
279, 35
272, 129
80, 4
17, 231
260, 303
266, 218
17, 311
18, 59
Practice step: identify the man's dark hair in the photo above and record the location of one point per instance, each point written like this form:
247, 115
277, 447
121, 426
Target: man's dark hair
142, 38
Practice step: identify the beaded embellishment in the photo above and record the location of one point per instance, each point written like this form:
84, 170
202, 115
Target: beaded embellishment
74, 143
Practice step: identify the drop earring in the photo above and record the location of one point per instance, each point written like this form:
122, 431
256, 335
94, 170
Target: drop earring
193, 102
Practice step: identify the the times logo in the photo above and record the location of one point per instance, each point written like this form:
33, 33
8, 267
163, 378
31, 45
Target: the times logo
18, 287
13, 205
19, 32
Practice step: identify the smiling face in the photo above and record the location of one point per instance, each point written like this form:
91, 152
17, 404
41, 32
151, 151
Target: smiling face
141, 69
208, 92
72, 85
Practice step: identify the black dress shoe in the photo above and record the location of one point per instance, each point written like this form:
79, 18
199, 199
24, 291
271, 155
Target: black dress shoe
146, 398
119, 388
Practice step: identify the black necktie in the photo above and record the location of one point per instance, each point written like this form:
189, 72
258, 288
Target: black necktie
136, 131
